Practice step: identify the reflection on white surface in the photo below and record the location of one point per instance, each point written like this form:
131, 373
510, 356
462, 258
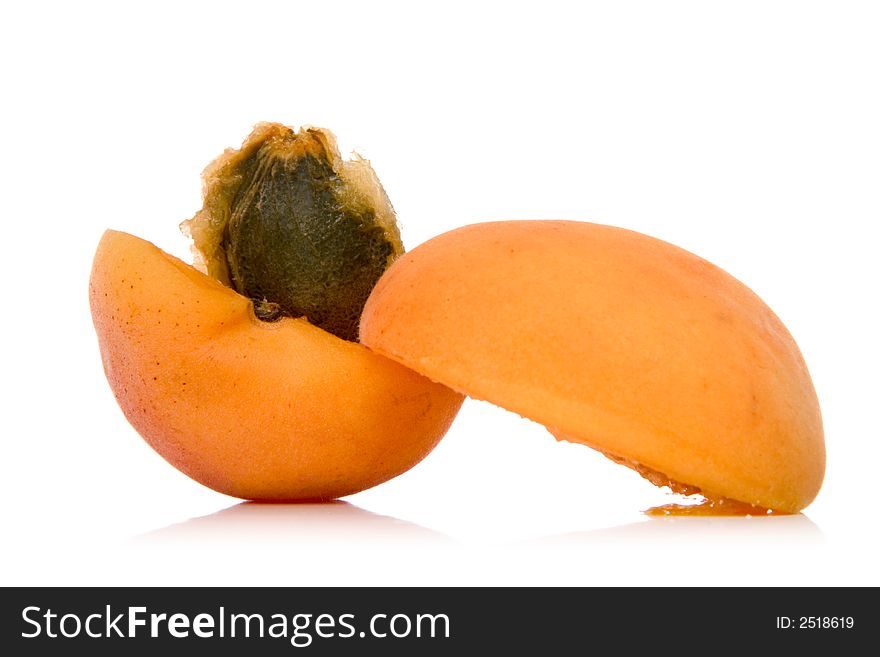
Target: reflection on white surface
337, 524
698, 530
301, 524
252, 544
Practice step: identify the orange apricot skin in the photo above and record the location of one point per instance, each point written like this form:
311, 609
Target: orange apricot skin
261, 411
615, 340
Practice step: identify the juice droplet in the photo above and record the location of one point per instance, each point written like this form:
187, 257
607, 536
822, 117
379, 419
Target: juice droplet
706, 504
712, 506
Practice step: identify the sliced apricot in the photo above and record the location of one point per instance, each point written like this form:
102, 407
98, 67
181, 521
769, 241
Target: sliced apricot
616, 340
259, 391
253, 409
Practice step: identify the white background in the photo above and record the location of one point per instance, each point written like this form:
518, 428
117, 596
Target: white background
747, 132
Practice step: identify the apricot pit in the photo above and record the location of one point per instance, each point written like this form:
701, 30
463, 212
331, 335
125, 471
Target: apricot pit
291, 225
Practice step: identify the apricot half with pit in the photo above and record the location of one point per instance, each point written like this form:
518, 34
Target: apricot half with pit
260, 409
615, 340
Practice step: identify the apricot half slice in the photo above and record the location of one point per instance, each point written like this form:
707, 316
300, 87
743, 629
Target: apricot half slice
259, 410
615, 340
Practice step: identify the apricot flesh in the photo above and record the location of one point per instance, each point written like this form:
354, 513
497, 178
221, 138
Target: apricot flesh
253, 409
615, 340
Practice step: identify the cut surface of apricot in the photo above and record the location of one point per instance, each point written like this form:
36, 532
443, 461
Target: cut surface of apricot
615, 340
258, 410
